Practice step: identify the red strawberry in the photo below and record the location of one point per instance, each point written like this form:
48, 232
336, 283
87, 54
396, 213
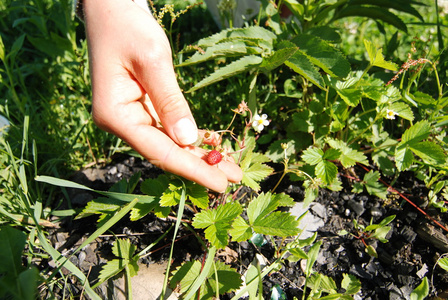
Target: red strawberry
214, 157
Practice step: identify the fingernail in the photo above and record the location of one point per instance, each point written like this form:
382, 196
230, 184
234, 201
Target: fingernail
186, 131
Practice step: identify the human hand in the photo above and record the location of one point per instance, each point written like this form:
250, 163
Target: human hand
136, 95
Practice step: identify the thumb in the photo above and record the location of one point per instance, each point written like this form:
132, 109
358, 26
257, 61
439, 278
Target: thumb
155, 72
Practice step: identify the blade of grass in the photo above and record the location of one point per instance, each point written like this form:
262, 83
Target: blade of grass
64, 261
204, 273
180, 212
74, 185
57, 257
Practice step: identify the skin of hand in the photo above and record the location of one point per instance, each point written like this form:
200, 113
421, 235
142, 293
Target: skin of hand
136, 95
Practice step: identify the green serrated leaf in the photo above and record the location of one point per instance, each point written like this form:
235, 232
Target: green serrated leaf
236, 67
278, 223
429, 152
254, 33
254, 170
311, 194
155, 187
123, 249
416, 133
349, 157
285, 50
403, 110
403, 157
110, 269
105, 207
323, 55
350, 96
284, 200
374, 187
227, 49
172, 195
218, 222
332, 154
377, 58
261, 206
313, 156
241, 230
197, 194
323, 283
326, 171
302, 65
325, 33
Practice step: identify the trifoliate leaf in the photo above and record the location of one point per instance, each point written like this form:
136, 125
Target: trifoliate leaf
349, 157
153, 187
324, 283
254, 169
125, 251
218, 222
411, 142
332, 154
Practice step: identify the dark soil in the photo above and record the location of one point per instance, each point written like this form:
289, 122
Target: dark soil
415, 242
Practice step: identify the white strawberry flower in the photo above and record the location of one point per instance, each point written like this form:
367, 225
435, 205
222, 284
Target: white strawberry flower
390, 114
259, 122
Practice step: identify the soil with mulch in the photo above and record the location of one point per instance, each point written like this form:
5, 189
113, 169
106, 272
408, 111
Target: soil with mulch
415, 241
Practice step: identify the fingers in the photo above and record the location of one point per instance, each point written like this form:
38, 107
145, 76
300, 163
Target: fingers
187, 162
153, 68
